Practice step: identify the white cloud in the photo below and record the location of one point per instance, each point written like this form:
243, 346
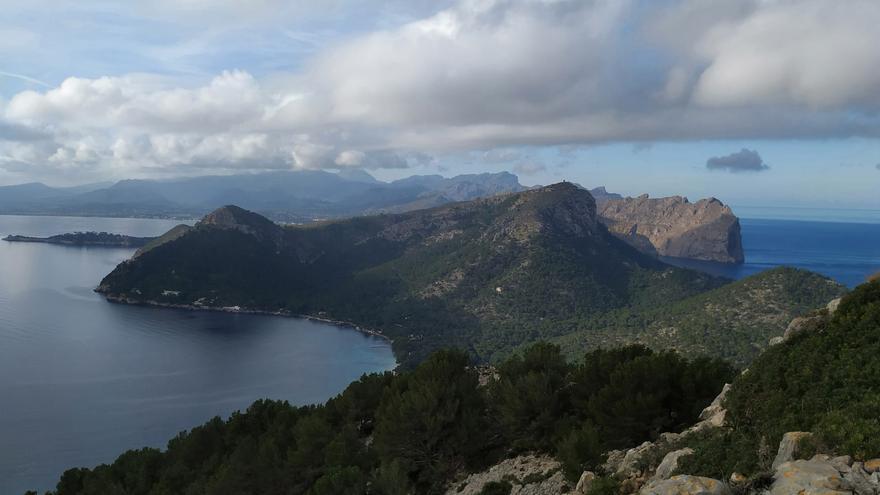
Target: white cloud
529, 168
491, 76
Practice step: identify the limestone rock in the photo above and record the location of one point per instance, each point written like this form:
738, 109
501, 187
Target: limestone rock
585, 483
670, 463
529, 475
705, 230
737, 478
633, 460
788, 447
802, 324
813, 477
833, 305
714, 414
872, 466
686, 485
861, 482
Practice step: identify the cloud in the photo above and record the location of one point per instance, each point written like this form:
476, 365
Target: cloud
744, 160
877, 166
489, 78
529, 168
501, 155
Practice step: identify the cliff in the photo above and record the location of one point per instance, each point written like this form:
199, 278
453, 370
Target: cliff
706, 230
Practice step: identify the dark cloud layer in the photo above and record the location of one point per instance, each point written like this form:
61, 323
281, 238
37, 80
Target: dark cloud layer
744, 160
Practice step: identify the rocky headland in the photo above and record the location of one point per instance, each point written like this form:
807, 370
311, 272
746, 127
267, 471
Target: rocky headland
674, 227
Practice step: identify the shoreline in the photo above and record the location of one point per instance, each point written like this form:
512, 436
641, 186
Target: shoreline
250, 311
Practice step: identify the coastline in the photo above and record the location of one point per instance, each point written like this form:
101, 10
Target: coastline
251, 311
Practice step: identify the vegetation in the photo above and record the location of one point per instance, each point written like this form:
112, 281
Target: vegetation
734, 322
416, 431
85, 239
823, 381
487, 276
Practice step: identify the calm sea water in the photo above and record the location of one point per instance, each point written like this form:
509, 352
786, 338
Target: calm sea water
82, 380
847, 252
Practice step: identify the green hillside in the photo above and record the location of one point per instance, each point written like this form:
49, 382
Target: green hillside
734, 322
822, 381
484, 276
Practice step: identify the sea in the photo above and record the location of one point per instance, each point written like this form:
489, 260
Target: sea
82, 379
841, 244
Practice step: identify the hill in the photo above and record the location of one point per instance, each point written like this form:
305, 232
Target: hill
100, 239
734, 322
485, 275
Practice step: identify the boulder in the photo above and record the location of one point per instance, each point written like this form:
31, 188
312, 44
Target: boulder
861, 481
585, 483
872, 466
529, 475
686, 485
788, 447
812, 477
670, 463
632, 463
801, 324
737, 478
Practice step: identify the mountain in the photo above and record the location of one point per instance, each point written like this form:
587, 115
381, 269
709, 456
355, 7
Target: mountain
292, 196
675, 227
485, 275
602, 195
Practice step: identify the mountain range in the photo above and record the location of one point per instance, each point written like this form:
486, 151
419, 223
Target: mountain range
486, 275
295, 196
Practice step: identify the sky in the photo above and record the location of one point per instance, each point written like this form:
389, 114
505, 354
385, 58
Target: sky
756, 102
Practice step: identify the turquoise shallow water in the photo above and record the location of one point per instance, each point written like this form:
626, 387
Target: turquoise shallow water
82, 380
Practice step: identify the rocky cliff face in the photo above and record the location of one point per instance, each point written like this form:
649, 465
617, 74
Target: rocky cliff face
706, 230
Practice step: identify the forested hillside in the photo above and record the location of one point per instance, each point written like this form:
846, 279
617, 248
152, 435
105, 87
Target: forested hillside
418, 431
484, 276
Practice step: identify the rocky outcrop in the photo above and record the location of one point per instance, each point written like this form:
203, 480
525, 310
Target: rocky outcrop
790, 446
706, 230
816, 476
669, 464
527, 475
805, 324
686, 485
653, 462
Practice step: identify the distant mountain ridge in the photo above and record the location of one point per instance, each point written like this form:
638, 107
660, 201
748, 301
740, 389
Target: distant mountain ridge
486, 275
297, 196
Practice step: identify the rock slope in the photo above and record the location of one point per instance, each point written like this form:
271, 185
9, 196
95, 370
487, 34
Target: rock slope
706, 230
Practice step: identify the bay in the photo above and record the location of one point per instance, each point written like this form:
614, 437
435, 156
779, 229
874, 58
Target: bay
82, 380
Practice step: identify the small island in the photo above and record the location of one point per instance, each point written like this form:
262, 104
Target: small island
100, 239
